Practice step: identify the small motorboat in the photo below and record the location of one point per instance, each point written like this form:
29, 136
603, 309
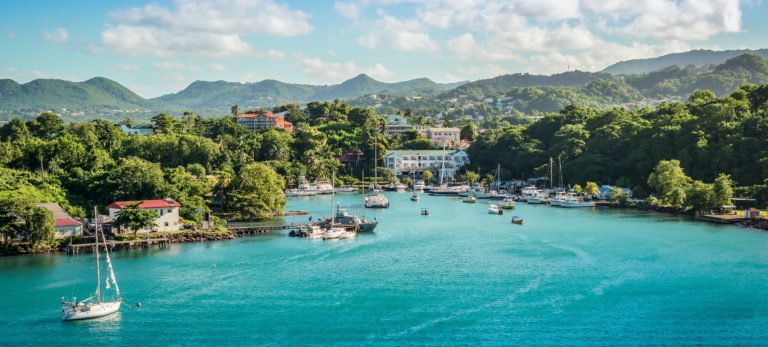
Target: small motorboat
470, 199
517, 220
424, 212
507, 203
415, 197
495, 209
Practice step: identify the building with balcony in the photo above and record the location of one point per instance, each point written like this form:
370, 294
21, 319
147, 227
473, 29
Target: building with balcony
414, 162
263, 121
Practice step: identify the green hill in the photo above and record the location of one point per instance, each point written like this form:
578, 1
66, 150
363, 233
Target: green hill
697, 58
504, 83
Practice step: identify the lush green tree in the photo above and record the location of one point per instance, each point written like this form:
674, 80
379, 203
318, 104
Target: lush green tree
427, 175
591, 188
134, 218
47, 126
129, 179
469, 131
165, 124
471, 177
577, 189
670, 181
257, 193
700, 196
723, 190
15, 131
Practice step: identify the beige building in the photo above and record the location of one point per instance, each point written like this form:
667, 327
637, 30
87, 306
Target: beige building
64, 225
166, 209
445, 136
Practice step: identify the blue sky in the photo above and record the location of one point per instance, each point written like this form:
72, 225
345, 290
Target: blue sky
160, 47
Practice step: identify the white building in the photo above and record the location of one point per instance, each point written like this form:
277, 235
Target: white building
166, 209
406, 162
64, 225
444, 136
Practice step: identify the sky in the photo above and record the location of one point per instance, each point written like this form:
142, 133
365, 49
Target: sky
160, 47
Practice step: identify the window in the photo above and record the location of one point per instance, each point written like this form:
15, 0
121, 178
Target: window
161, 211
166, 223
169, 210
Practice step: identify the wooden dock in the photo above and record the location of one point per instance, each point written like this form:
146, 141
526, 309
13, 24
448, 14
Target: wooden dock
254, 229
75, 249
720, 218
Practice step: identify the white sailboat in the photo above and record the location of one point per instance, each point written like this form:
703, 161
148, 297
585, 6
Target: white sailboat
333, 231
95, 306
376, 198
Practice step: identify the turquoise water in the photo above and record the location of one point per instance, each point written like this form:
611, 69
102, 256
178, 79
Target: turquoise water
459, 276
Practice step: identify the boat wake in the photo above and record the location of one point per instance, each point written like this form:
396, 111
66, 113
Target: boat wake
529, 287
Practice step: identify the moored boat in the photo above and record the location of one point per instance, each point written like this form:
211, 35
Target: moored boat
538, 198
95, 306
507, 203
517, 220
574, 201
470, 200
495, 209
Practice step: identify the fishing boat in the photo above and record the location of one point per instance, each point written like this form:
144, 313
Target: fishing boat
574, 201
495, 209
507, 203
517, 220
96, 305
312, 231
349, 221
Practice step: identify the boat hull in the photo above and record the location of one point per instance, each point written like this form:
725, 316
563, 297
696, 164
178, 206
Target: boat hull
577, 204
95, 311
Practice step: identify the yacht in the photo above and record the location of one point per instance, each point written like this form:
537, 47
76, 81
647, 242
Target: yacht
96, 305
419, 185
558, 199
527, 192
495, 209
323, 187
470, 199
334, 231
312, 231
574, 201
376, 199
538, 198
448, 190
415, 196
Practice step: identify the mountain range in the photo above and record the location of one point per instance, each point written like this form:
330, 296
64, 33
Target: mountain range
674, 75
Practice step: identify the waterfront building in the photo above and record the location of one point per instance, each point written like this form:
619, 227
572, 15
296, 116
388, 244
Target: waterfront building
64, 225
137, 130
408, 162
607, 190
263, 121
166, 209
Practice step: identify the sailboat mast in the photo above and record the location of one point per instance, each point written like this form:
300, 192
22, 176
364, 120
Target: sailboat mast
375, 161
442, 166
96, 250
333, 199
560, 165
362, 193
551, 172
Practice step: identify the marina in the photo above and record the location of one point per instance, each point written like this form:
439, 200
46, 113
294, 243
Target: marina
542, 279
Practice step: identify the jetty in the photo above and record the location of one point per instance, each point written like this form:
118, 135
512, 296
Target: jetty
78, 248
720, 218
242, 229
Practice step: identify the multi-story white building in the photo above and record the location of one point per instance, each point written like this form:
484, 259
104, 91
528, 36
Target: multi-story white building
407, 162
445, 136
166, 209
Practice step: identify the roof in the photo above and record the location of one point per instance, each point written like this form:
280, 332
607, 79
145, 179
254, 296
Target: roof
265, 114
62, 218
66, 222
444, 129
423, 152
145, 203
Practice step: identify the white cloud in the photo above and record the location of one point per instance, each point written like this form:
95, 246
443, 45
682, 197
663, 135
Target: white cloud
212, 28
175, 65
338, 71
128, 67
218, 67
401, 35
58, 35
272, 53
347, 9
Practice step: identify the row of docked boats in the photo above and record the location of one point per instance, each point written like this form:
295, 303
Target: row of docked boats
305, 188
535, 196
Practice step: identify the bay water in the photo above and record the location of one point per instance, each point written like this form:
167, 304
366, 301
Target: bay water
459, 276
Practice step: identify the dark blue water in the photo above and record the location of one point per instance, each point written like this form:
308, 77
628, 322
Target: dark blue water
459, 276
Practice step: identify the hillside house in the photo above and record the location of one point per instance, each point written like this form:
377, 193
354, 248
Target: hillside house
166, 209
